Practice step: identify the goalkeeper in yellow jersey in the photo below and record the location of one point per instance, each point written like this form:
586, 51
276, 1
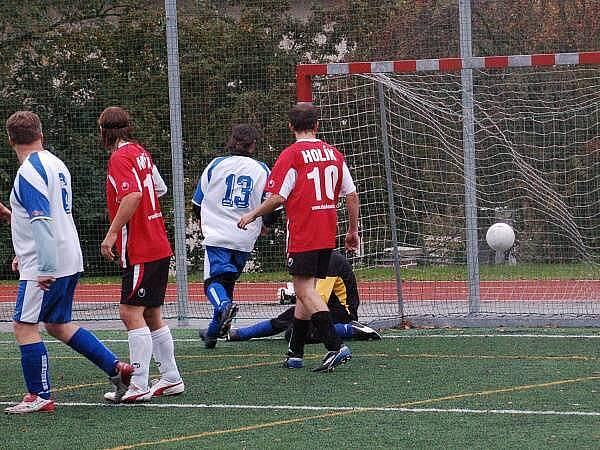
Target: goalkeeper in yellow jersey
338, 289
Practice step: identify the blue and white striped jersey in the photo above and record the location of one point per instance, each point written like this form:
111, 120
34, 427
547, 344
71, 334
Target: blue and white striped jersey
229, 187
42, 190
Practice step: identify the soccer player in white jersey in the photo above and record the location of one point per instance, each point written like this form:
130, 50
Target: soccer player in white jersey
49, 260
229, 187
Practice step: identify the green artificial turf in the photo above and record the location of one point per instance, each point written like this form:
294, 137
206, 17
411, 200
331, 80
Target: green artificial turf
419, 370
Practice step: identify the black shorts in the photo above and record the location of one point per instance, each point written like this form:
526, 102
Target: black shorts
311, 264
145, 284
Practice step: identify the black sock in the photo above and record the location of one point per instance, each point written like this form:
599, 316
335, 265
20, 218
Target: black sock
322, 322
298, 337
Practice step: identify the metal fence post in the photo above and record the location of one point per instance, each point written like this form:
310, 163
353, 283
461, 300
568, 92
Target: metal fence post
469, 158
177, 161
391, 205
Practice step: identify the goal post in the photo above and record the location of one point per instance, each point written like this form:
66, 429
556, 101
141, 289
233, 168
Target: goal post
537, 164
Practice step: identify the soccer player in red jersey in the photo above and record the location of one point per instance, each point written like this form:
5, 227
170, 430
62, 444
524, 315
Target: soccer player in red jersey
138, 231
308, 178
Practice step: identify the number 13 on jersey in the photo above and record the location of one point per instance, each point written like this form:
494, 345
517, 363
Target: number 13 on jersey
242, 184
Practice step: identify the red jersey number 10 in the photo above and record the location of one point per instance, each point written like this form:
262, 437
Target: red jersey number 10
331, 175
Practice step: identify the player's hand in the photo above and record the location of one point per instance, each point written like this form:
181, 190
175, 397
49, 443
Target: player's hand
5, 213
15, 264
264, 231
245, 220
352, 241
44, 282
106, 247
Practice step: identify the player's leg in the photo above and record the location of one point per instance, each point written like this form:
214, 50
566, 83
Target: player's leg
298, 332
58, 324
318, 312
34, 356
163, 349
131, 311
265, 328
220, 273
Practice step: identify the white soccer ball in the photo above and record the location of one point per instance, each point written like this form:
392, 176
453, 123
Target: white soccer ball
500, 236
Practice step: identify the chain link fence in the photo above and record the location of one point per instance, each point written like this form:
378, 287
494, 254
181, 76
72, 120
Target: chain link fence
68, 60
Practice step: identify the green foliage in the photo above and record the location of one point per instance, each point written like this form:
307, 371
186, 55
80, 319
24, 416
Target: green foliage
67, 60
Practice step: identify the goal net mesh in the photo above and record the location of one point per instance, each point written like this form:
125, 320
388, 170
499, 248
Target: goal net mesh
537, 158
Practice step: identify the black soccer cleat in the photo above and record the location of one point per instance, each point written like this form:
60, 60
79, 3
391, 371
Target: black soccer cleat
362, 332
226, 317
333, 359
233, 335
210, 342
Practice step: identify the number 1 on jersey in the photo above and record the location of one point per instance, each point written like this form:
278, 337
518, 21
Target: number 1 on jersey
149, 183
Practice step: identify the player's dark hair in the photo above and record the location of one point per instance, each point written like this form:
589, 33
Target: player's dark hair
24, 127
114, 125
242, 138
303, 117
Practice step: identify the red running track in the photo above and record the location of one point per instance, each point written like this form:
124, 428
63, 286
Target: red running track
530, 290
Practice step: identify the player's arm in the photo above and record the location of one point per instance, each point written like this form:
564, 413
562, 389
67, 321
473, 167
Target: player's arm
128, 189
33, 192
280, 184
160, 187
348, 189
5, 213
127, 208
45, 249
269, 205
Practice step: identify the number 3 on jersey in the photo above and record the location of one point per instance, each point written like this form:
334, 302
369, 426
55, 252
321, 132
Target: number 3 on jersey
330, 173
245, 184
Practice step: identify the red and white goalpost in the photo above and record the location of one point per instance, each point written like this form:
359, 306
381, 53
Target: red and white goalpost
305, 72
536, 135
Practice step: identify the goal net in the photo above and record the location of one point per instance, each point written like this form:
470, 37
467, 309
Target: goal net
537, 160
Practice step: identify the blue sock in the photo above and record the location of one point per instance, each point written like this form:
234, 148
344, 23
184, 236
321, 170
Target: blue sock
217, 295
34, 360
343, 330
89, 346
213, 326
260, 329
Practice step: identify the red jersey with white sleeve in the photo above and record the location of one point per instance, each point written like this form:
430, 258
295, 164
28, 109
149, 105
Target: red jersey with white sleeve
144, 237
311, 175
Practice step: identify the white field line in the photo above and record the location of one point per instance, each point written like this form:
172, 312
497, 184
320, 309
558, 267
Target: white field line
391, 336
328, 408
556, 336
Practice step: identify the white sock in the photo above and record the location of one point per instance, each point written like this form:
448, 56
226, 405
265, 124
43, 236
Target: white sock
164, 354
140, 354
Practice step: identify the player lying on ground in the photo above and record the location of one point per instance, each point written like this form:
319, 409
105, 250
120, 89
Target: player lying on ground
308, 178
49, 261
137, 229
338, 290
229, 186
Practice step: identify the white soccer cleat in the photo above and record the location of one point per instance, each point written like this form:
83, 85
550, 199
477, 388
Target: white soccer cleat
31, 403
163, 387
133, 395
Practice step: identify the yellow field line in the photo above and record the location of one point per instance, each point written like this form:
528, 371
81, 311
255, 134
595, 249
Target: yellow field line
368, 355
266, 355
341, 413
195, 372
208, 357
232, 430
524, 387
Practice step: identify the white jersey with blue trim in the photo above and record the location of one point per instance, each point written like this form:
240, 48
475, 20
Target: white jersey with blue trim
229, 187
42, 190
